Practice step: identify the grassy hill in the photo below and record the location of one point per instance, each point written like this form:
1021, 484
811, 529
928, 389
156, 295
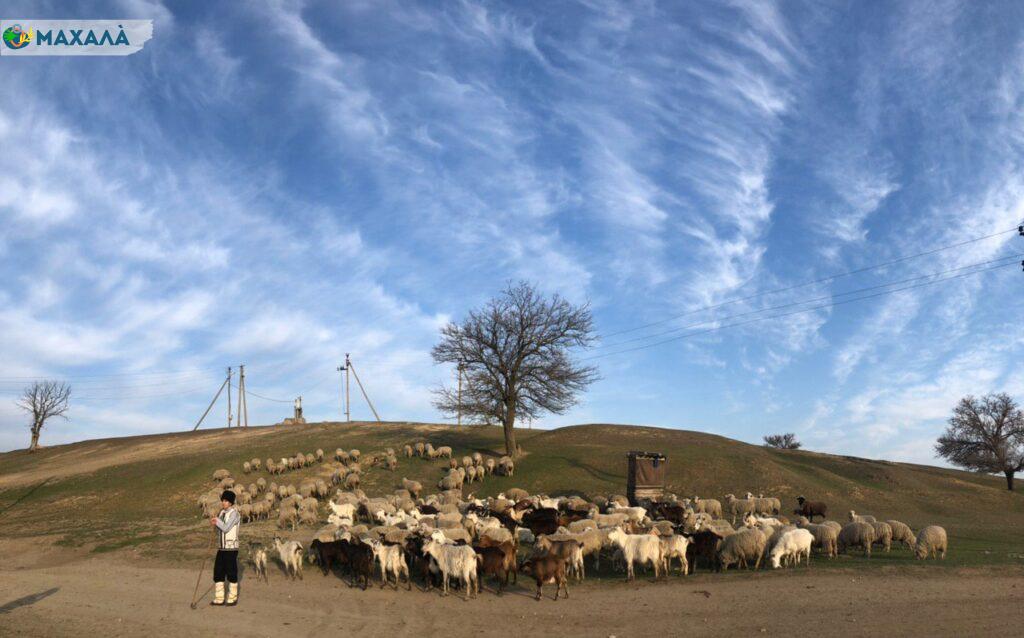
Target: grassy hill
139, 493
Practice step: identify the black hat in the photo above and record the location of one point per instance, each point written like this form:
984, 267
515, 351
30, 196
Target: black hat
228, 496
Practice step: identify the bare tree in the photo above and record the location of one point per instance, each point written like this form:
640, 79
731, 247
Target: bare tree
985, 435
515, 353
783, 441
44, 400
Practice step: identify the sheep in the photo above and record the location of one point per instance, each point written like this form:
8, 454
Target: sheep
739, 506
255, 464
901, 533
319, 455
931, 543
478, 459
856, 534
429, 451
858, 518
467, 461
883, 534
290, 554
516, 494
414, 487
391, 463
547, 569
246, 467
792, 545
444, 452
490, 465
457, 561
741, 548
354, 454
708, 506
261, 485
220, 475
825, 536
288, 517
633, 514
352, 480
642, 548
258, 558
810, 509
506, 466
675, 546
420, 449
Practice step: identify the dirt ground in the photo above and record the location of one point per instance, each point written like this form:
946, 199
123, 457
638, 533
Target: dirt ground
62, 592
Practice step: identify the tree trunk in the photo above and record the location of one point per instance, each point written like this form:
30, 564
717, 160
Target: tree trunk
509, 425
1009, 479
35, 439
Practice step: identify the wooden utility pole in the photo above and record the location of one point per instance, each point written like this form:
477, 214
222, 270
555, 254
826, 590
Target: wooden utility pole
229, 396
459, 411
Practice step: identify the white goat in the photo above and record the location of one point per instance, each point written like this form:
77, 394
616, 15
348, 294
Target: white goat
675, 547
454, 560
392, 561
642, 548
792, 545
290, 554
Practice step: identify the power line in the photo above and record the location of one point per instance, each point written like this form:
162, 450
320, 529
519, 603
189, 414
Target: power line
107, 376
815, 281
812, 300
248, 391
796, 312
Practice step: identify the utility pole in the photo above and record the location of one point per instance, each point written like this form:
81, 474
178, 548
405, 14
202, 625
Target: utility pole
344, 368
229, 396
459, 412
210, 407
243, 403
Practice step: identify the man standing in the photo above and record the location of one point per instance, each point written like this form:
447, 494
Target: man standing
225, 566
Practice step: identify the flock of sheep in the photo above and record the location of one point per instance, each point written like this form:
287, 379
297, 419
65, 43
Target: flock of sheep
446, 538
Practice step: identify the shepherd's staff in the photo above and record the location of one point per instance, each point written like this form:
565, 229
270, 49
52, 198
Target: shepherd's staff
201, 568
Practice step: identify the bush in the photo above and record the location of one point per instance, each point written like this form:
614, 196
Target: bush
782, 441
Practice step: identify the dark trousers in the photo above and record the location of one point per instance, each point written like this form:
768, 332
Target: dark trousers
225, 566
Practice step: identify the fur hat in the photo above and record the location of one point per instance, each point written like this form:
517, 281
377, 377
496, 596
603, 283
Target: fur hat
229, 496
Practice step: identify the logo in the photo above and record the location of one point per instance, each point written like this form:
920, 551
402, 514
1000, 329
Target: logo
74, 37
15, 37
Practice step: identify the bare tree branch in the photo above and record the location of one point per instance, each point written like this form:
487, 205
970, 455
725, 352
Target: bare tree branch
515, 355
44, 400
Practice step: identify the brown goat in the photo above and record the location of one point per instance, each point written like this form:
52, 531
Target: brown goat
547, 569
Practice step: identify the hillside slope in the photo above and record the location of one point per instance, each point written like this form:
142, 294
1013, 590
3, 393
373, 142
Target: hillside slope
112, 493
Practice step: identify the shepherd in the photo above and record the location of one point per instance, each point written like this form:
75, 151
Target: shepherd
225, 565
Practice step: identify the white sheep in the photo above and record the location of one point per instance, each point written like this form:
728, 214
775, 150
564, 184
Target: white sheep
861, 518
741, 548
856, 534
901, 533
739, 506
642, 548
792, 545
290, 554
932, 542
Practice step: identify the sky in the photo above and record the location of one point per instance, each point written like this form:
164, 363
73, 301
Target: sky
278, 183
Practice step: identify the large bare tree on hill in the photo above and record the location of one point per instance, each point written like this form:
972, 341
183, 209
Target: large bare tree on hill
515, 357
44, 400
985, 435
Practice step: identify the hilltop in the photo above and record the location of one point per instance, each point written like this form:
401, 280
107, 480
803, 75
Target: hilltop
140, 491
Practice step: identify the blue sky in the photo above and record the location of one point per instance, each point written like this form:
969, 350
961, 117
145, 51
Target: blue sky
279, 183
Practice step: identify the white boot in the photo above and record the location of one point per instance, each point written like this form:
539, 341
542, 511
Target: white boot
232, 594
218, 594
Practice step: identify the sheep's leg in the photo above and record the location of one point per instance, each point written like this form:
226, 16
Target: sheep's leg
539, 587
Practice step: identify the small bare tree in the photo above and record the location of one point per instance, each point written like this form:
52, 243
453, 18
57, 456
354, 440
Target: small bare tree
985, 435
783, 441
515, 357
44, 400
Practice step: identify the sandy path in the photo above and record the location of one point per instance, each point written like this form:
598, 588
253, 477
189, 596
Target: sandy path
113, 596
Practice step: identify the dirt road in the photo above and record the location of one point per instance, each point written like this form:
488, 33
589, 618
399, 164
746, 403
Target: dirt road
63, 594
